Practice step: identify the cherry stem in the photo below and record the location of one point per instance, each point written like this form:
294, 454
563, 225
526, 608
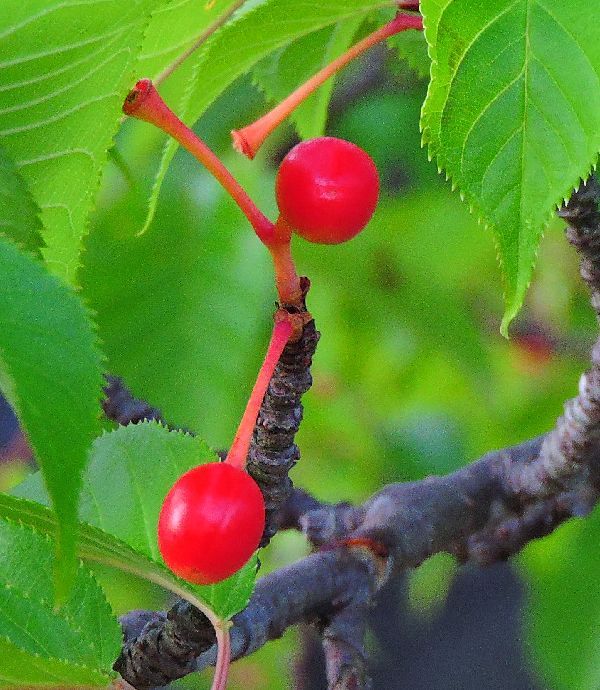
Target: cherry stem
249, 139
145, 103
223, 657
282, 330
287, 280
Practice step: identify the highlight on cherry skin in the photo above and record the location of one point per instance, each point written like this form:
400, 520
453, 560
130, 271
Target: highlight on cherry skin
211, 523
327, 190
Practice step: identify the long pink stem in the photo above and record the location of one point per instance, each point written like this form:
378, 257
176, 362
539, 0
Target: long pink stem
282, 330
223, 658
250, 138
145, 103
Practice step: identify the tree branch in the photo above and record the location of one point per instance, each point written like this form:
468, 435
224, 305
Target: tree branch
344, 647
483, 512
414, 520
572, 446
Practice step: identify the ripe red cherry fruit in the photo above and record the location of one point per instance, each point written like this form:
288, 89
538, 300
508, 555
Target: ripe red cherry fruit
210, 523
327, 189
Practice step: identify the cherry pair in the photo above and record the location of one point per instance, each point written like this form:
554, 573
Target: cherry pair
213, 518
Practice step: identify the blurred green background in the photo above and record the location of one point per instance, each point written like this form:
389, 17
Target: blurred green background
411, 376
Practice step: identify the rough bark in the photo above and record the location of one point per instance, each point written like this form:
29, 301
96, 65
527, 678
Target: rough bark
273, 451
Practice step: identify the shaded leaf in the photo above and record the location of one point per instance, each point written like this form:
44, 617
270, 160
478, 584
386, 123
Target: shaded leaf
18, 213
289, 67
412, 48
50, 371
97, 546
129, 474
40, 644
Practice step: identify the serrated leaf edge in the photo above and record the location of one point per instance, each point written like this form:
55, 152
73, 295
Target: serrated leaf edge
85, 572
109, 675
103, 159
88, 314
511, 308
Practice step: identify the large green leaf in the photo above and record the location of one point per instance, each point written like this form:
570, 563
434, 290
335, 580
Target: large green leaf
287, 68
66, 67
230, 53
18, 213
506, 118
130, 472
50, 371
39, 644
175, 28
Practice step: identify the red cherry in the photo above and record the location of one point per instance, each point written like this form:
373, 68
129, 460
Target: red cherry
210, 523
327, 189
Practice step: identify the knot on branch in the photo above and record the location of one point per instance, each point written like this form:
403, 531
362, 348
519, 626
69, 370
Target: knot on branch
330, 523
273, 451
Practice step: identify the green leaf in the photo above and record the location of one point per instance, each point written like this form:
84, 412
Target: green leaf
66, 67
18, 213
18, 667
177, 27
276, 22
123, 497
39, 644
177, 30
97, 546
506, 119
50, 371
129, 474
562, 570
289, 67
222, 600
